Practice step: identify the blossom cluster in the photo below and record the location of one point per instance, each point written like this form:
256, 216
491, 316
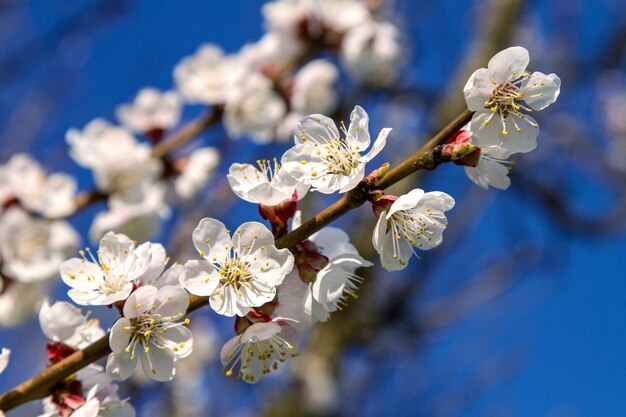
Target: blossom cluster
271, 292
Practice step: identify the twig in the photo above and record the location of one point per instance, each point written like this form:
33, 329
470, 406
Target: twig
425, 158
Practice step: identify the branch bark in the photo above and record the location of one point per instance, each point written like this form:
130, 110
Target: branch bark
426, 158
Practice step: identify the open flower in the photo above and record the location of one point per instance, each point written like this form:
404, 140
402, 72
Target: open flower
259, 350
327, 162
268, 184
22, 235
309, 302
373, 53
152, 110
118, 267
502, 94
239, 272
414, 220
254, 109
118, 161
151, 328
208, 76
50, 195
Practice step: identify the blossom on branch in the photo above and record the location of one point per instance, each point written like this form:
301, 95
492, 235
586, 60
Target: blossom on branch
413, 220
237, 273
22, 235
151, 328
22, 178
502, 94
268, 184
259, 350
152, 110
327, 162
62, 322
111, 276
118, 161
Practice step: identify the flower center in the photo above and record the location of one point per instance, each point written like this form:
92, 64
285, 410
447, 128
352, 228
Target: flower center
341, 159
151, 330
268, 168
506, 100
235, 273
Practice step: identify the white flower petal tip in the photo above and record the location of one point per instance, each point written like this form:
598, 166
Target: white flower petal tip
502, 96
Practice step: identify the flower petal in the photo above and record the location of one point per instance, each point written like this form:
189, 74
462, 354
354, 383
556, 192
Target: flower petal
508, 64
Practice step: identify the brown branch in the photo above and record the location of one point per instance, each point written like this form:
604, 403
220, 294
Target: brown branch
425, 158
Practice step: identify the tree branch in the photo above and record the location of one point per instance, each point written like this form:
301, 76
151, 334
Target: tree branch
425, 158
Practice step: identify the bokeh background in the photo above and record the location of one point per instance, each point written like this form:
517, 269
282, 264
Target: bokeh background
522, 310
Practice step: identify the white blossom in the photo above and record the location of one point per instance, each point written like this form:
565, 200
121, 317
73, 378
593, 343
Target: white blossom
373, 53
208, 76
152, 109
314, 89
259, 350
414, 220
138, 214
327, 162
492, 169
254, 109
239, 272
50, 195
199, 168
62, 322
151, 328
268, 184
502, 94
4, 359
335, 15
111, 276
308, 303
98, 398
31, 249
118, 161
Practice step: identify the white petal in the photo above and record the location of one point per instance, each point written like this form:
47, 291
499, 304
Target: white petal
358, 135
406, 201
379, 232
478, 89
158, 364
541, 90
171, 301
379, 144
200, 278
120, 336
140, 301
508, 64
120, 366
315, 128
4, 359
60, 321
183, 339
252, 234
211, 239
